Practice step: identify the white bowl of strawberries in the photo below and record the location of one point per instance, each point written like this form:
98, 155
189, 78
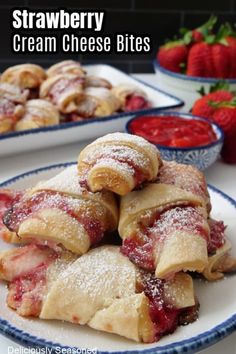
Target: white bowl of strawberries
219, 106
199, 58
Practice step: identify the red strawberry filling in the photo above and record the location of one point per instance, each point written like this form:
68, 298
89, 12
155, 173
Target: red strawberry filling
28, 207
173, 131
28, 277
63, 85
127, 161
140, 247
7, 199
217, 235
7, 108
135, 102
164, 315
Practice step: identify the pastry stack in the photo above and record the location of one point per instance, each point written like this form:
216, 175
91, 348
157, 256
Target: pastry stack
31, 97
113, 242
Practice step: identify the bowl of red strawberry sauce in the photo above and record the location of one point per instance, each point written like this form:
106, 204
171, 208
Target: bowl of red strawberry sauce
180, 137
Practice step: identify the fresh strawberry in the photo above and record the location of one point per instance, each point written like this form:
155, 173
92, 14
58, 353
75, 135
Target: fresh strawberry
202, 106
221, 60
200, 60
173, 55
225, 117
232, 49
198, 34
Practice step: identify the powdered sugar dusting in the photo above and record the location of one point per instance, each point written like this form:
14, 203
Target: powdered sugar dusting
118, 153
186, 177
68, 181
104, 274
123, 138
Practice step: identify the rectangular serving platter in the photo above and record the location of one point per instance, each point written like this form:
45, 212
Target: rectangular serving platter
17, 142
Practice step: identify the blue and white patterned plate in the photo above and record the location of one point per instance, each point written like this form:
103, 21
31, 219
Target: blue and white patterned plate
217, 317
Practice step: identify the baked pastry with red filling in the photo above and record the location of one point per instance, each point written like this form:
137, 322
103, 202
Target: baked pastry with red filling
186, 177
132, 98
38, 113
102, 289
12, 100
96, 81
97, 102
118, 162
62, 212
65, 91
26, 76
220, 261
164, 228
66, 67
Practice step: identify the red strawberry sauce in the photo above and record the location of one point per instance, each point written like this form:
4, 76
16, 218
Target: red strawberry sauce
50, 199
173, 131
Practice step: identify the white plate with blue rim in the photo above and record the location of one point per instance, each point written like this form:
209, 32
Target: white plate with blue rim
217, 317
16, 142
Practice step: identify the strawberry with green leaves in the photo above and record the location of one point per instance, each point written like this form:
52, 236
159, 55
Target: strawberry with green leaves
173, 56
215, 57
218, 93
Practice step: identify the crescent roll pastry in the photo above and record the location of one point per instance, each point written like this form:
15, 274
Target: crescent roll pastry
118, 162
165, 229
97, 102
13, 93
66, 67
219, 261
10, 113
62, 212
38, 113
24, 75
30, 270
102, 289
186, 177
96, 81
12, 99
65, 91
132, 98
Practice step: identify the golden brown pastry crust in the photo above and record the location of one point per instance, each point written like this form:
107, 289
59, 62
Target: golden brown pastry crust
24, 75
113, 305
96, 81
66, 67
65, 91
118, 162
38, 113
97, 102
75, 229
181, 250
186, 177
122, 91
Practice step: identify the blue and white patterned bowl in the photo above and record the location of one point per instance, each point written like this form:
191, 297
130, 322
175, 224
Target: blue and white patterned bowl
202, 156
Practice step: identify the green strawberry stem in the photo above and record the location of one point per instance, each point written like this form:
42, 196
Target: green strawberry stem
223, 104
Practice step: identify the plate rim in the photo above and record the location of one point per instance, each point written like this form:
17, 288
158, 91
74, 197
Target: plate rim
191, 345
63, 126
